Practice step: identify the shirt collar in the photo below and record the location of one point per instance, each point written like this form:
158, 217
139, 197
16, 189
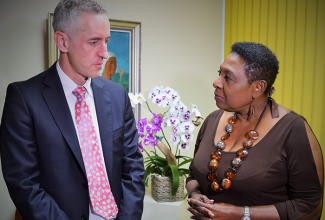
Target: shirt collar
68, 84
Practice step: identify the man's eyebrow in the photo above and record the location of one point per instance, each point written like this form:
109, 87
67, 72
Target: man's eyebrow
95, 38
99, 38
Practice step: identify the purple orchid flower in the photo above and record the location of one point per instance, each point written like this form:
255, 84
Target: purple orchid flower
150, 140
140, 146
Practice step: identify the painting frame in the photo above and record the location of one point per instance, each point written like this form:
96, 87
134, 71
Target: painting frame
134, 30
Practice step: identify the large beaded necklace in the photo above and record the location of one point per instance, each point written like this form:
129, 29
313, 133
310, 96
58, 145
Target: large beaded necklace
242, 153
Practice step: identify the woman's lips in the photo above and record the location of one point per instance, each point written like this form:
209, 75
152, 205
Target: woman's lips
218, 98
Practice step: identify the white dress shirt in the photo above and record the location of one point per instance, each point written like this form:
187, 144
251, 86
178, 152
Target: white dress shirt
68, 86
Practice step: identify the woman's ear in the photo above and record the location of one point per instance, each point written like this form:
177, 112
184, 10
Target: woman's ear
259, 87
62, 41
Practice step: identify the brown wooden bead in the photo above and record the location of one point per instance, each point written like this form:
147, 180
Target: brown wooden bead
221, 145
236, 162
242, 153
214, 186
229, 128
231, 173
213, 164
213, 175
252, 134
216, 155
226, 183
220, 190
232, 120
248, 144
225, 137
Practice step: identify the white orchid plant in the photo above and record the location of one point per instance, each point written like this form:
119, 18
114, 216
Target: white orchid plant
182, 121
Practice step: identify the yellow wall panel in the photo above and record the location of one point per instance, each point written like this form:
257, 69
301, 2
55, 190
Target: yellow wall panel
309, 58
280, 48
248, 20
295, 31
241, 20
234, 20
289, 54
263, 22
271, 26
318, 106
228, 33
298, 64
256, 20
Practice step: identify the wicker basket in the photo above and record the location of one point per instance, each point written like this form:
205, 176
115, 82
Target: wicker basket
161, 187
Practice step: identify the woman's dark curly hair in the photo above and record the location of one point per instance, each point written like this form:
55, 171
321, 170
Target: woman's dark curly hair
261, 63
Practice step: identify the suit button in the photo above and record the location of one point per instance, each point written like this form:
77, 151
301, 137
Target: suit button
84, 217
85, 186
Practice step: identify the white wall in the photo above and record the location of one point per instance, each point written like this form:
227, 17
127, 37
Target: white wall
181, 48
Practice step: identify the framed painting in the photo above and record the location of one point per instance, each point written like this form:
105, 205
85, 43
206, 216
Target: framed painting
123, 65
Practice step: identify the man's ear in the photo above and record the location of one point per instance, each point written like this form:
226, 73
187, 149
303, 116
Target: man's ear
62, 41
259, 87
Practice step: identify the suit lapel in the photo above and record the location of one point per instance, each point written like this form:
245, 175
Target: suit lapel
104, 116
56, 101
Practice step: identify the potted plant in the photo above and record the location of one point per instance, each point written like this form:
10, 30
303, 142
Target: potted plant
166, 172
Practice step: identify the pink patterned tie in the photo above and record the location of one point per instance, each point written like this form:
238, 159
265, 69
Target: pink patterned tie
101, 197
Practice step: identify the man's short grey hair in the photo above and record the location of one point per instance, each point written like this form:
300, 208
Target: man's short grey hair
68, 11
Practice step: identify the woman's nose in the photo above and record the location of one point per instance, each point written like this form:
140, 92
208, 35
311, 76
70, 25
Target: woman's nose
217, 83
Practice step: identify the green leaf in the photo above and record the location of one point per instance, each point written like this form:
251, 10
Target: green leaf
183, 157
147, 172
175, 177
185, 162
183, 171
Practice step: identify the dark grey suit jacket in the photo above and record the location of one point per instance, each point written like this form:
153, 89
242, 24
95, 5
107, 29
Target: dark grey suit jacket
41, 158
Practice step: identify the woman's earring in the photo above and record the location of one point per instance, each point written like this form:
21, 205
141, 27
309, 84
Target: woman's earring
253, 109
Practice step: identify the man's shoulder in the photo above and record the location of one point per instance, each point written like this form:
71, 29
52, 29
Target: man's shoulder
109, 85
38, 79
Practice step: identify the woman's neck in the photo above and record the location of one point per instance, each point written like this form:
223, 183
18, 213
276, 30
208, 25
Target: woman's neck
246, 115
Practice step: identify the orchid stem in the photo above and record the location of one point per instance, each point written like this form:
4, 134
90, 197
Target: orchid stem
146, 152
148, 107
176, 149
166, 140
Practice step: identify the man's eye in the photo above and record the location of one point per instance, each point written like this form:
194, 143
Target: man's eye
219, 71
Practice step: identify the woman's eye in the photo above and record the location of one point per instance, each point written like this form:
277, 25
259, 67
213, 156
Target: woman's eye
219, 71
227, 77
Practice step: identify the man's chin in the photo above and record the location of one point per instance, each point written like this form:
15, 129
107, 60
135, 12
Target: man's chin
95, 75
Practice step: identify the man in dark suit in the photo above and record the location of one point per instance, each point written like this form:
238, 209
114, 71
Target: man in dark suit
43, 161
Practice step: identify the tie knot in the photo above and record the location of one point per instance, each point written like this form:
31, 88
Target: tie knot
80, 92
